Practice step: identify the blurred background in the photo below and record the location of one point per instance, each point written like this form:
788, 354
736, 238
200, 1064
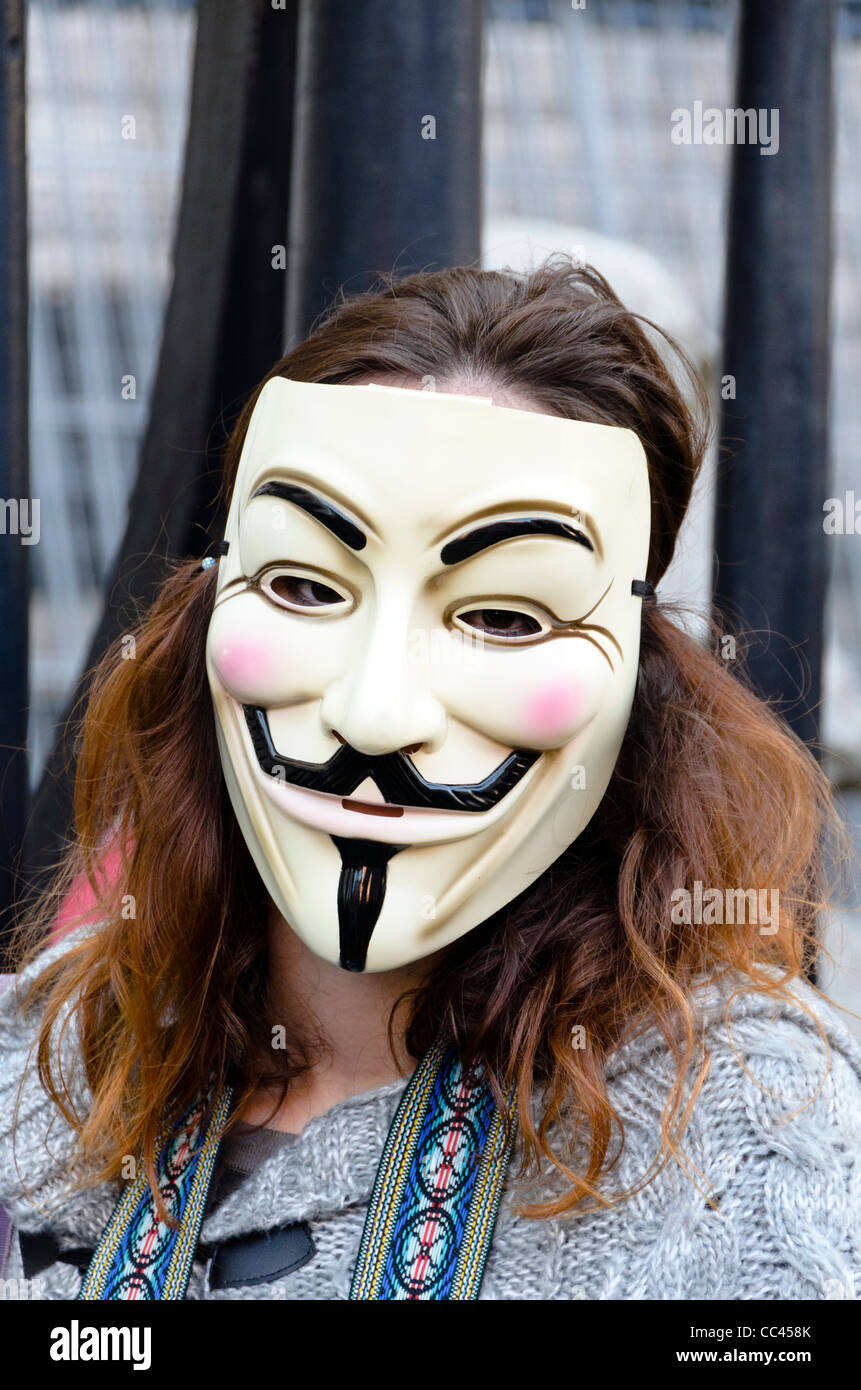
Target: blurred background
576, 103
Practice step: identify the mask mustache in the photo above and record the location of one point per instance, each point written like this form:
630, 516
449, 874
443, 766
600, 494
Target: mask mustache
398, 780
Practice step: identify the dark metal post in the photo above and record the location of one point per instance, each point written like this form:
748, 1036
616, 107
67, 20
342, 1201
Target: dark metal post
387, 161
18, 514
223, 326
773, 470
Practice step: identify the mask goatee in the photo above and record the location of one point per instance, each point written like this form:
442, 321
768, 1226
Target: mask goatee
361, 889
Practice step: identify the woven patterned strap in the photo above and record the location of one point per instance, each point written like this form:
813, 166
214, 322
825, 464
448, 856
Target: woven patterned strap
431, 1217
139, 1256
438, 1188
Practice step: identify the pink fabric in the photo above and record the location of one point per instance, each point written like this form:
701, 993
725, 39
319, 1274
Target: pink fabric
81, 897
79, 900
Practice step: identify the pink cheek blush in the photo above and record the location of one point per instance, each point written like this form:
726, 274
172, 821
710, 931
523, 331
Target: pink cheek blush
243, 664
552, 713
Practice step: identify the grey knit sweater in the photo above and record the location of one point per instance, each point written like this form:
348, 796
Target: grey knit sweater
776, 1131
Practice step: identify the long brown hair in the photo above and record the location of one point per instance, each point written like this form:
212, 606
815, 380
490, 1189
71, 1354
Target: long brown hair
170, 986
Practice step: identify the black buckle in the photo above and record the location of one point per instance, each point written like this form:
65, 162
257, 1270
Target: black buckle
40, 1249
261, 1258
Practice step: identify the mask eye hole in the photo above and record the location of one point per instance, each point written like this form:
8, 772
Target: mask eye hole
304, 593
500, 624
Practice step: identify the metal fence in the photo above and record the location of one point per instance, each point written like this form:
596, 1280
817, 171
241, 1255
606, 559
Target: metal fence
578, 106
107, 98
578, 100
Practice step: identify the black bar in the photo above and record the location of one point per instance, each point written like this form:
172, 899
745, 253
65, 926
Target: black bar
773, 471
14, 457
387, 163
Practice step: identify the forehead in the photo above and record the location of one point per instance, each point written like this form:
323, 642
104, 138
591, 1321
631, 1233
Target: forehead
398, 457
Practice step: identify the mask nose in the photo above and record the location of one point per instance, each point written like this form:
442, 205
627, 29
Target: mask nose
383, 703
409, 748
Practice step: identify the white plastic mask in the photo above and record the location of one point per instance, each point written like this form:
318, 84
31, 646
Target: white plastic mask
422, 655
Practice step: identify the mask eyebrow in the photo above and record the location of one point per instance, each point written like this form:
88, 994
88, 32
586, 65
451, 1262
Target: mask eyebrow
482, 537
316, 506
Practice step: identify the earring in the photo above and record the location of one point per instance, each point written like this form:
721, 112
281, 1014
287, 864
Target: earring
220, 548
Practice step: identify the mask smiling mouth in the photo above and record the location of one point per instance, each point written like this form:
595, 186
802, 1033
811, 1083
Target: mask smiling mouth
400, 783
369, 808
